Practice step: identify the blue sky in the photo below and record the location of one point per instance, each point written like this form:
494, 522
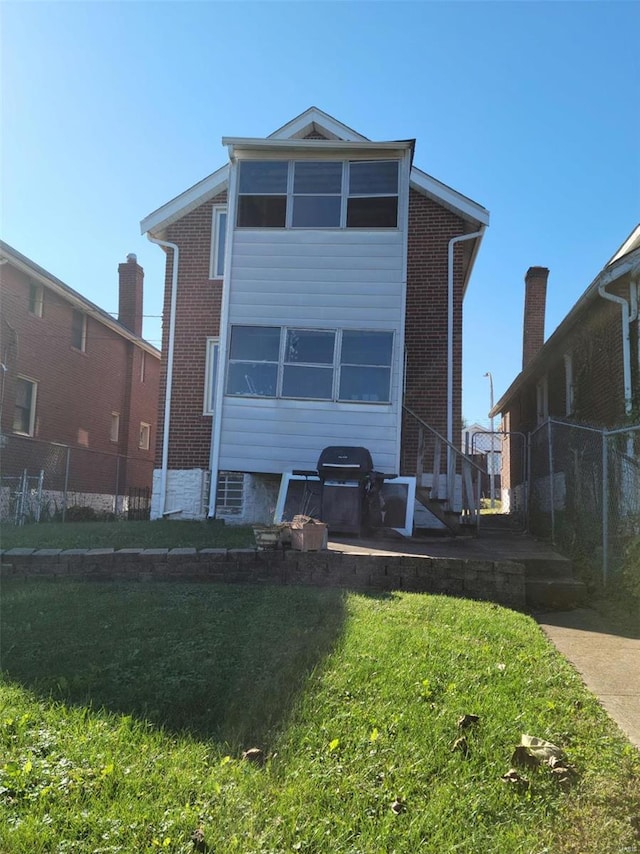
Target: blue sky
111, 109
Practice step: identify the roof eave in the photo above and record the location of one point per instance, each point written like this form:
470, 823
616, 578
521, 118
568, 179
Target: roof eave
39, 274
611, 273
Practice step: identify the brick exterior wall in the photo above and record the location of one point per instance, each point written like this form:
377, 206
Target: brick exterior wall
535, 303
197, 318
76, 391
131, 278
431, 226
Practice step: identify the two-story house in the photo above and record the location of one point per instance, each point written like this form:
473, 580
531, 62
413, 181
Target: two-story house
313, 297
78, 388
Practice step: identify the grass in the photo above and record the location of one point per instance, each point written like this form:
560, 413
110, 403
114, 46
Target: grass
120, 535
125, 709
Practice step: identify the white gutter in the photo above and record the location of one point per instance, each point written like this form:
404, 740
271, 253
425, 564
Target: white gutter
168, 389
452, 244
629, 311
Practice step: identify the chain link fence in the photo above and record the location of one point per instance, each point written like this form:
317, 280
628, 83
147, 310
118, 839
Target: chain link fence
43, 481
584, 489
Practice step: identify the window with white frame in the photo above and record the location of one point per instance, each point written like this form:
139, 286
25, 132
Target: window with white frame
318, 194
24, 412
218, 242
542, 399
568, 383
36, 299
210, 375
350, 365
144, 436
79, 330
114, 432
143, 366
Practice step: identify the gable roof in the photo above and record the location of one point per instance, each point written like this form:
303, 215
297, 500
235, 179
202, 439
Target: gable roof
43, 277
625, 260
312, 121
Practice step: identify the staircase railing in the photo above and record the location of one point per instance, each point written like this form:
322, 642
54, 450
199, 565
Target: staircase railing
470, 472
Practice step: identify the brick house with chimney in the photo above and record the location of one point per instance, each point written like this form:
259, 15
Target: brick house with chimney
587, 372
74, 377
313, 297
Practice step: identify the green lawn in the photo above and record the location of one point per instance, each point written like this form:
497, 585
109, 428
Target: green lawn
160, 534
125, 710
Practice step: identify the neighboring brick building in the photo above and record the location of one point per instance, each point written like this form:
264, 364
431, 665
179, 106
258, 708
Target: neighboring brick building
75, 376
330, 294
587, 372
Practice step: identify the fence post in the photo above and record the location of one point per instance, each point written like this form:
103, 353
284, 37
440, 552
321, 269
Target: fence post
551, 489
605, 508
66, 483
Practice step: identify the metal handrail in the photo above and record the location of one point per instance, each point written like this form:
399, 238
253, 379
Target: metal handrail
442, 439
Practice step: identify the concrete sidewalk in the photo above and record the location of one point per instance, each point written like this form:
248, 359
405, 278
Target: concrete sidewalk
607, 656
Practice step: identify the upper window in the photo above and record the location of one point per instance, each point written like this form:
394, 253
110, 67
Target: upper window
36, 299
542, 399
79, 330
316, 364
218, 242
318, 194
569, 392
114, 432
24, 413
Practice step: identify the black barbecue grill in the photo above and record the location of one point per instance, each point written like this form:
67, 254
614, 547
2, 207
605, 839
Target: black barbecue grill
349, 489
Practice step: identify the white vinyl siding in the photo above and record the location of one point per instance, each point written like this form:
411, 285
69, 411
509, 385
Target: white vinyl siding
311, 279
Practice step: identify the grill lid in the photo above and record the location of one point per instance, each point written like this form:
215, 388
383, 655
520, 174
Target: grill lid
344, 460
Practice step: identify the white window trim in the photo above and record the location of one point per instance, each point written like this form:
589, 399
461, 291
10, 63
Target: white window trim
569, 391
39, 301
143, 365
336, 366
216, 262
212, 358
144, 437
83, 342
32, 413
114, 434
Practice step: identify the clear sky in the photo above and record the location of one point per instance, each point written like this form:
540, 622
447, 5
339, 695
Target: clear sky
531, 109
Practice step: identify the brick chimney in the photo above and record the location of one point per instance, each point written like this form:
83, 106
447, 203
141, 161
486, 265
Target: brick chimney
131, 277
535, 299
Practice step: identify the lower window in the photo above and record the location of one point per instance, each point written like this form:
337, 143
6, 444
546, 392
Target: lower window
349, 365
24, 413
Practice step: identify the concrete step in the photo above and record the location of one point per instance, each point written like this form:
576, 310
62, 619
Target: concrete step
548, 567
555, 594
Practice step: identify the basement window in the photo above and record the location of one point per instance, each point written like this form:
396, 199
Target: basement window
230, 494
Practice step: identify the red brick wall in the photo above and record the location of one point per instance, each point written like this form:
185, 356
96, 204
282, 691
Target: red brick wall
197, 317
76, 390
430, 228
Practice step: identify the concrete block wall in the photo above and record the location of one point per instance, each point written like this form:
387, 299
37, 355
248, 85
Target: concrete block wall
497, 581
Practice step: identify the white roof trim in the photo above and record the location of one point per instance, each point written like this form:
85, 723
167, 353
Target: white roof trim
39, 274
449, 197
237, 144
323, 121
185, 202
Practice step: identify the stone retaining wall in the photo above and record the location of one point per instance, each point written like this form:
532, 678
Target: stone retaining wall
496, 581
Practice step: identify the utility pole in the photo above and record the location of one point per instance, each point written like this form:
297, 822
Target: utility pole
492, 477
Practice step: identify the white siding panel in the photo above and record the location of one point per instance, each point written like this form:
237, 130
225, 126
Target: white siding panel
332, 279
292, 434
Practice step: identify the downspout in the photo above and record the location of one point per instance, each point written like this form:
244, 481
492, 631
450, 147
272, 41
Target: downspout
629, 311
450, 277
167, 394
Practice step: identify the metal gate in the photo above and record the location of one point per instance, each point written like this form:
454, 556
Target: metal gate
504, 457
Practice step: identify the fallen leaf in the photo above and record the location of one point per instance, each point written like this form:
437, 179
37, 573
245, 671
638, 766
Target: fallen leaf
197, 838
398, 806
521, 756
538, 747
467, 721
462, 745
515, 779
254, 754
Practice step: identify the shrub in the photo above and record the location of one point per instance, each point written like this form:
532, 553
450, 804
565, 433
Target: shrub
631, 569
76, 513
